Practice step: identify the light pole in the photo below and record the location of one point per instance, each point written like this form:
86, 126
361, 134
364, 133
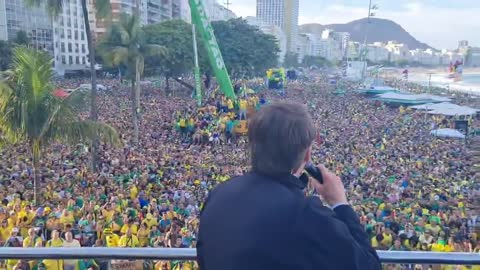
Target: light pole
363, 56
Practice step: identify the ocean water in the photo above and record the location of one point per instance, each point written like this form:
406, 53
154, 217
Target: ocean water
471, 79
470, 82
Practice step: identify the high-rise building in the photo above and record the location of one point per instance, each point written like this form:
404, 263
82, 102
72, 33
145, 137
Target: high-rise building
15, 16
71, 46
151, 11
463, 44
271, 30
3, 22
284, 14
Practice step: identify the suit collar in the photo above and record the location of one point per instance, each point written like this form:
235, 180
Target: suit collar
287, 179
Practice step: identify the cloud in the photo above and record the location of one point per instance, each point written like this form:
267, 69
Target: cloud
441, 26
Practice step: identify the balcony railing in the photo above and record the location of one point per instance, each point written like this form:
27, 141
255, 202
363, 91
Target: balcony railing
400, 257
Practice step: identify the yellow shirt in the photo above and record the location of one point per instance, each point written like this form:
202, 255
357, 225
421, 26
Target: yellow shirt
53, 264
387, 240
129, 241
243, 104
67, 219
108, 214
133, 192
54, 243
182, 122
143, 237
374, 242
230, 104
29, 242
5, 233
112, 240
133, 228
150, 222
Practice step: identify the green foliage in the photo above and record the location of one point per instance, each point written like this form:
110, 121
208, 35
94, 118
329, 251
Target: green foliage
317, 61
176, 37
22, 38
126, 42
246, 50
30, 113
5, 54
291, 60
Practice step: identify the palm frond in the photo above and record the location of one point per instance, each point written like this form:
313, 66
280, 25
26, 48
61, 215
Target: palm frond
78, 100
116, 56
84, 131
30, 112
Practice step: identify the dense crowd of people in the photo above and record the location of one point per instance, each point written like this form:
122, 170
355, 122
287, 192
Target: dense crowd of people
411, 190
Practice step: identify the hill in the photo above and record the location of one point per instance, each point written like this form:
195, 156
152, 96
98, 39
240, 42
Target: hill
378, 30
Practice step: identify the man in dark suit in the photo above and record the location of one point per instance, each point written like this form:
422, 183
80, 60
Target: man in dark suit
263, 220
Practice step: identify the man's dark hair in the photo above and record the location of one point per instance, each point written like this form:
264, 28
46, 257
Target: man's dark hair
279, 135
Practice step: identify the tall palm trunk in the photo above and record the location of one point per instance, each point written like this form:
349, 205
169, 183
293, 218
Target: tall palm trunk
134, 112
35, 148
93, 93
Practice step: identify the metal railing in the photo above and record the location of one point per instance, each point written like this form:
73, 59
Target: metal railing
402, 257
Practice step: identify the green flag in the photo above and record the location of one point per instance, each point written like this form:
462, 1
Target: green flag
200, 19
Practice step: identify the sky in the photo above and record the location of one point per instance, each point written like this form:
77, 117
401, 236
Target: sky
439, 23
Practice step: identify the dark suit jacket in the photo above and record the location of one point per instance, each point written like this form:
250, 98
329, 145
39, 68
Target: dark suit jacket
266, 223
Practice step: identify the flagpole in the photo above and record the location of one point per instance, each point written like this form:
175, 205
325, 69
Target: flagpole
198, 83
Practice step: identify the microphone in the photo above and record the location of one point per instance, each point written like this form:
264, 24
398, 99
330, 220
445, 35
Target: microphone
314, 172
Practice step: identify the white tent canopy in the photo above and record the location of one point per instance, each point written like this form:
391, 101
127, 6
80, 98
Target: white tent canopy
410, 97
447, 132
446, 108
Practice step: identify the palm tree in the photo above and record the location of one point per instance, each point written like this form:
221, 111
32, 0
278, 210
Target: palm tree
31, 114
125, 45
102, 7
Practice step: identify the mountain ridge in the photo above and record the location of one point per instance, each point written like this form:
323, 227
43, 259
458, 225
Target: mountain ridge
379, 30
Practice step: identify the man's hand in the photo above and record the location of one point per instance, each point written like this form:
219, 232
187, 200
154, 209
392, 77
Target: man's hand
332, 190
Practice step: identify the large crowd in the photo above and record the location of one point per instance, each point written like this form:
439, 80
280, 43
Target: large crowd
411, 190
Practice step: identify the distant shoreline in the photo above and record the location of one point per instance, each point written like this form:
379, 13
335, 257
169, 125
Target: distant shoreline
421, 77
442, 70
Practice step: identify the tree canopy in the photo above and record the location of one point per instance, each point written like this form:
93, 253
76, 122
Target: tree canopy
5, 54
291, 60
245, 49
176, 37
317, 61
22, 38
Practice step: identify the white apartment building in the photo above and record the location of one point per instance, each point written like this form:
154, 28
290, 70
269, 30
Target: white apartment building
151, 11
220, 13
398, 51
377, 52
325, 46
3, 22
274, 31
15, 16
70, 41
329, 49
306, 45
281, 13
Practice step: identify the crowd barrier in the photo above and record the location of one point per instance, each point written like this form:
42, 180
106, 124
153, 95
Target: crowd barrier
399, 257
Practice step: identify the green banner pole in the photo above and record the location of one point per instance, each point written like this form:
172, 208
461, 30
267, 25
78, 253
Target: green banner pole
198, 81
200, 19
